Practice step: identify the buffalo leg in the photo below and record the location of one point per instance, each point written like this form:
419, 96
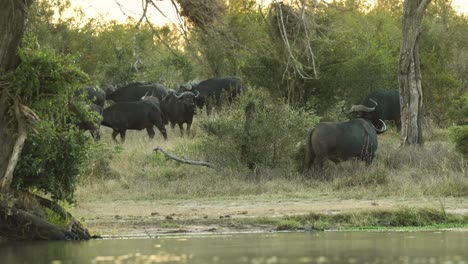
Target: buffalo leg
162, 129
122, 136
95, 133
114, 134
98, 134
208, 107
181, 128
150, 131
188, 128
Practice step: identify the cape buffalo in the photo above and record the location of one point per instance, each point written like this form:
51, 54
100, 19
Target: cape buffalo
135, 116
212, 90
382, 104
179, 108
93, 94
340, 141
93, 125
134, 91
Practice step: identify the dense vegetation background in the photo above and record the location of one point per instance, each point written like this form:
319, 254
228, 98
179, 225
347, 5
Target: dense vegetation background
335, 53
301, 62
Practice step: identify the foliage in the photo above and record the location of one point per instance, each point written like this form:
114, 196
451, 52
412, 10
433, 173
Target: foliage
355, 49
55, 151
202, 12
459, 135
52, 161
275, 132
42, 76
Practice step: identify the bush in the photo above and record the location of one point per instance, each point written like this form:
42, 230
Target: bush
459, 135
52, 161
276, 131
55, 151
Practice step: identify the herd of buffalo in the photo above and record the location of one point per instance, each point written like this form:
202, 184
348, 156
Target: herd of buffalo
138, 106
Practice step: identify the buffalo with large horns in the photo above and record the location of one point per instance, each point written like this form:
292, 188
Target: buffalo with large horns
214, 90
379, 105
177, 108
340, 141
133, 92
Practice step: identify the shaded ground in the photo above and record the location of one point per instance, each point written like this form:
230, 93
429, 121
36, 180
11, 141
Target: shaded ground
152, 218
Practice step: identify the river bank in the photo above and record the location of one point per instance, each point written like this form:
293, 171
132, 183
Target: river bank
153, 218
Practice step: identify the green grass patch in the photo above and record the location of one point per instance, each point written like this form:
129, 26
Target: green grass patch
288, 224
55, 218
403, 217
400, 219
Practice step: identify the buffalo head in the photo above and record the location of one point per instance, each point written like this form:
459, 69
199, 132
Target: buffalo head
187, 99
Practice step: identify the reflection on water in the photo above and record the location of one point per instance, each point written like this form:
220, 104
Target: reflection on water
319, 247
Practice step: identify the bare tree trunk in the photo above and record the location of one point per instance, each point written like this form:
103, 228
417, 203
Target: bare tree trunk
13, 15
409, 78
249, 117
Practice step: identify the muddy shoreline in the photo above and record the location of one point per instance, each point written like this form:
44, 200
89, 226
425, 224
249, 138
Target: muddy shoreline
113, 219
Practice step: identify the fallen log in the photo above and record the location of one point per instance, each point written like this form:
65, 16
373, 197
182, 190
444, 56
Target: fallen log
184, 160
23, 217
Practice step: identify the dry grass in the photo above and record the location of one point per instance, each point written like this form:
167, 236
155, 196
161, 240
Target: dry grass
135, 172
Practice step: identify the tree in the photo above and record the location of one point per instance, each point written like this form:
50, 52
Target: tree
23, 216
409, 77
13, 16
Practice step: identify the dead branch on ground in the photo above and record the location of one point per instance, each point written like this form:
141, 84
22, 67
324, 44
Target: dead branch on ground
184, 160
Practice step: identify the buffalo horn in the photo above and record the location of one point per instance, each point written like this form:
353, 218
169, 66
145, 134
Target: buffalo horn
372, 100
187, 86
361, 108
144, 96
198, 93
178, 96
384, 127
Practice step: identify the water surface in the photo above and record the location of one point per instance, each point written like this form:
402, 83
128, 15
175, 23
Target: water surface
317, 247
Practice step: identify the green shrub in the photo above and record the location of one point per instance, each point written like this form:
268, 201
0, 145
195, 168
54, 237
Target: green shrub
276, 131
459, 135
55, 152
52, 161
288, 224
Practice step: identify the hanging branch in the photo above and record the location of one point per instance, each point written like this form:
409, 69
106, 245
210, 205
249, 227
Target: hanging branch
183, 160
285, 38
20, 111
144, 4
155, 32
182, 25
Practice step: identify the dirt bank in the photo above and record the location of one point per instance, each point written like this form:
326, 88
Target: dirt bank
153, 218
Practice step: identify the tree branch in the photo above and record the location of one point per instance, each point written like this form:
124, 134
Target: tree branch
422, 7
183, 160
17, 148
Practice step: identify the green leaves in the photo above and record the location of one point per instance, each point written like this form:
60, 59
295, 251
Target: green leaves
52, 161
275, 132
42, 73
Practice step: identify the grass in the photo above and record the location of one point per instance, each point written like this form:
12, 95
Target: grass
406, 218
134, 172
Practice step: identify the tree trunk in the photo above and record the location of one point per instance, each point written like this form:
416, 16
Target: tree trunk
409, 78
249, 117
18, 221
13, 15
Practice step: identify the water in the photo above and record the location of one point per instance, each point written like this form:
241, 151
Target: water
318, 247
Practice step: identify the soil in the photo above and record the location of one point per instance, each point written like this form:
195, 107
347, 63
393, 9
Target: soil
157, 218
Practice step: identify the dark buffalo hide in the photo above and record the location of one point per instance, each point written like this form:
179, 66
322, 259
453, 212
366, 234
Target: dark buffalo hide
340, 141
135, 116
